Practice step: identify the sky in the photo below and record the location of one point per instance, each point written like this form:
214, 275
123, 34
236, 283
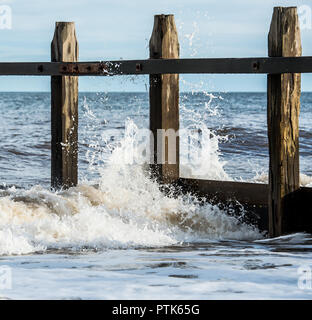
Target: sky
120, 29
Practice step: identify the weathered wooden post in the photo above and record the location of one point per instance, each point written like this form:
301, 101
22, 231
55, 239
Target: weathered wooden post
164, 101
283, 120
64, 109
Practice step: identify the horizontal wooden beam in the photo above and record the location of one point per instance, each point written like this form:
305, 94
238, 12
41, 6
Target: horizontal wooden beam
244, 192
271, 65
52, 68
254, 198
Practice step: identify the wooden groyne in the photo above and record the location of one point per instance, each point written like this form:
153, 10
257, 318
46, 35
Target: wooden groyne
282, 205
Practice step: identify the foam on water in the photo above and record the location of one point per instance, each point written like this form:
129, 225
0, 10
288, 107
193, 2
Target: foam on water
305, 180
123, 209
109, 216
200, 154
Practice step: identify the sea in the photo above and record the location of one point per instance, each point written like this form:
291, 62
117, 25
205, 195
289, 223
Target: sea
116, 235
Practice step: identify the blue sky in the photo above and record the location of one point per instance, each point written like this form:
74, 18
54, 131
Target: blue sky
114, 29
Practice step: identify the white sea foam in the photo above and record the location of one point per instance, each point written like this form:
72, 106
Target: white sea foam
124, 209
305, 180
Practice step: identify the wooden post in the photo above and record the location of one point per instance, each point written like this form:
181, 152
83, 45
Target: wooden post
283, 120
64, 109
164, 102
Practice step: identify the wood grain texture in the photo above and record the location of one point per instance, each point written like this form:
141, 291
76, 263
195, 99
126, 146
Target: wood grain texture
283, 119
64, 110
164, 99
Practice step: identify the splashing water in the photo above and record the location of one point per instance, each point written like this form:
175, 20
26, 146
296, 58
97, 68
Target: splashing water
201, 144
121, 207
124, 208
175, 246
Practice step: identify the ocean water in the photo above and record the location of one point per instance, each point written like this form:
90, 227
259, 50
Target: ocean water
115, 235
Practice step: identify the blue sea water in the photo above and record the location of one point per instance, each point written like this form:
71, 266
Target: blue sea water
239, 120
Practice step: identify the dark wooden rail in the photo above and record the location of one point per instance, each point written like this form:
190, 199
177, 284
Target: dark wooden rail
273, 65
254, 198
